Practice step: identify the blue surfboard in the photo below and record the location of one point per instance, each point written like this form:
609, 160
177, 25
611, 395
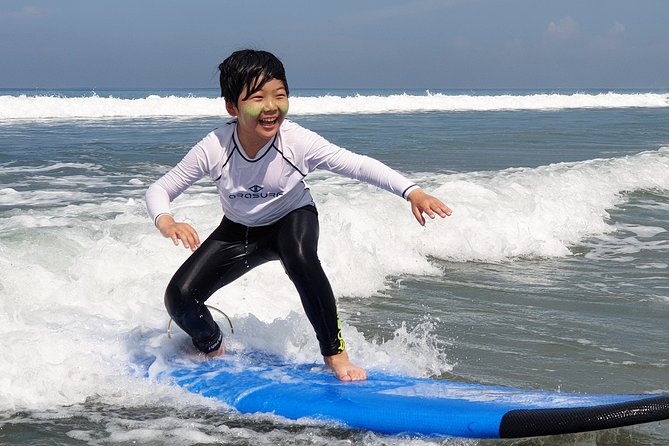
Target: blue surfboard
389, 404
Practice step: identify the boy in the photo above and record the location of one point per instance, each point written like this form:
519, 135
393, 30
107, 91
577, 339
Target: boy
258, 162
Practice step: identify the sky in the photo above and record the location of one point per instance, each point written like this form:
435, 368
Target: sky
430, 44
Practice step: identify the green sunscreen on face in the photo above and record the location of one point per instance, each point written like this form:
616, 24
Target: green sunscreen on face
251, 110
283, 107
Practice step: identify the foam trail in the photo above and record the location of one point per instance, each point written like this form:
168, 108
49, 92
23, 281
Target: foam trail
95, 107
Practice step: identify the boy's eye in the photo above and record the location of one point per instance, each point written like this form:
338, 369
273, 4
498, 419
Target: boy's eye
255, 96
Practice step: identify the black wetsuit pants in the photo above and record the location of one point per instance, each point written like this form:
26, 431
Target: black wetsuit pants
232, 250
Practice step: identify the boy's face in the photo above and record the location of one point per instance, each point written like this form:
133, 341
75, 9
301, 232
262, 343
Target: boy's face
260, 115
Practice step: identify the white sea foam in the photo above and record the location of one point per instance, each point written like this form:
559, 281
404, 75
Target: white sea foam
82, 295
540, 212
96, 107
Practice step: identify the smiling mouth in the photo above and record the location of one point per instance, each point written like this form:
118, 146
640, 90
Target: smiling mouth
268, 122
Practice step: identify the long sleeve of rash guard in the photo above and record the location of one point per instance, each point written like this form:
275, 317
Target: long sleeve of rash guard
322, 154
190, 169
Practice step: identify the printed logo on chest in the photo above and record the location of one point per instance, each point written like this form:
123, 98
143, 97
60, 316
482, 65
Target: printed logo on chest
255, 192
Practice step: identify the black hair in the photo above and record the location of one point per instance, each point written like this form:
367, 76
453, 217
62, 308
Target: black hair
250, 69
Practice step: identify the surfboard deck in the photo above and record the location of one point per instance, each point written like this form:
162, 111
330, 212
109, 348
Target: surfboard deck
389, 404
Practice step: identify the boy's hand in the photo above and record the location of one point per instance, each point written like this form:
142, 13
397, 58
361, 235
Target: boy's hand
178, 231
425, 203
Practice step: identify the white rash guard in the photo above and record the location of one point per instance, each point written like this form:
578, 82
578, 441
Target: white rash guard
260, 191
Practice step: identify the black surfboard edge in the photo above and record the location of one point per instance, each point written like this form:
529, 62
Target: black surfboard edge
522, 423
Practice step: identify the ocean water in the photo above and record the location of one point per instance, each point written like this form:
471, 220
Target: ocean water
552, 273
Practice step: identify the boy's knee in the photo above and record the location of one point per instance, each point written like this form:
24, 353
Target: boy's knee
176, 301
187, 312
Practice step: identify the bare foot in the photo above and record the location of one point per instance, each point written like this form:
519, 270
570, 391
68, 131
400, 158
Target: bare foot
344, 368
216, 353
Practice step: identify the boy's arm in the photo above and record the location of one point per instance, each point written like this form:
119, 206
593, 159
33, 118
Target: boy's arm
322, 154
160, 194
